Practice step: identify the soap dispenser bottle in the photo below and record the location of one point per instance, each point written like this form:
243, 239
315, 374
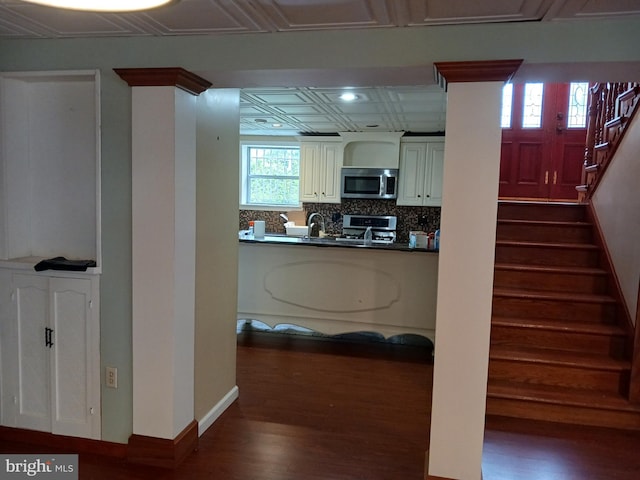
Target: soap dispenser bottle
368, 236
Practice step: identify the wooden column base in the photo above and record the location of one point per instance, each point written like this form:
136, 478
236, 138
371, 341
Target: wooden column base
433, 477
162, 452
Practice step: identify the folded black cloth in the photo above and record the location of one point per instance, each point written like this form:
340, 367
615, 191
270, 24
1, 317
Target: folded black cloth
61, 263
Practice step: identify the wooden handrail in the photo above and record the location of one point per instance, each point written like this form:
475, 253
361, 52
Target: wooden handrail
611, 108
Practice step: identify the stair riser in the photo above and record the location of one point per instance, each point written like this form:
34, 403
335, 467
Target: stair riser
567, 341
544, 233
549, 212
551, 282
556, 310
565, 257
558, 375
567, 414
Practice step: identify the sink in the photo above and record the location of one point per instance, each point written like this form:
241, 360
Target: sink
296, 230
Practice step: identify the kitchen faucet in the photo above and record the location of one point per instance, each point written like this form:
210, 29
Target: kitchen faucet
321, 228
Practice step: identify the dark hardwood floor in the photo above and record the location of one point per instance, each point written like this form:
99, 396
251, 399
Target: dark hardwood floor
314, 409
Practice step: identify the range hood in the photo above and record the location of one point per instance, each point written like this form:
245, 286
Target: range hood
371, 149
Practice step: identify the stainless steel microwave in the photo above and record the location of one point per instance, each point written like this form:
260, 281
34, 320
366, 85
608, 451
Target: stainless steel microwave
375, 183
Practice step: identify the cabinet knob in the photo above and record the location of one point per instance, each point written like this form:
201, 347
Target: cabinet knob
419, 196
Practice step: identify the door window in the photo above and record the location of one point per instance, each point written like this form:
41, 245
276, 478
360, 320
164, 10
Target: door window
532, 107
578, 97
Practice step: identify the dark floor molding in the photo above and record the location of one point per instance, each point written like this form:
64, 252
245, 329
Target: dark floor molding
63, 443
152, 451
162, 452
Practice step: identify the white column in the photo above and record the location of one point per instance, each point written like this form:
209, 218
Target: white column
465, 280
163, 232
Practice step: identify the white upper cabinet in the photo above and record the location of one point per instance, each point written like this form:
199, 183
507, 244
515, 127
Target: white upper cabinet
421, 167
50, 164
320, 172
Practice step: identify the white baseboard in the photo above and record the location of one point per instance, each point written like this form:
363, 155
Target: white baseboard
217, 410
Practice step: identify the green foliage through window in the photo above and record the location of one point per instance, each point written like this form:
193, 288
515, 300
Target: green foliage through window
273, 175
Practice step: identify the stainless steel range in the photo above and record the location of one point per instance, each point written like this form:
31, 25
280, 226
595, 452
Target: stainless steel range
383, 228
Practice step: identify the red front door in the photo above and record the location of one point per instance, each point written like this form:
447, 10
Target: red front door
542, 150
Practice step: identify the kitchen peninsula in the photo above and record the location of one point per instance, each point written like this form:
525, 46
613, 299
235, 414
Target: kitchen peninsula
335, 288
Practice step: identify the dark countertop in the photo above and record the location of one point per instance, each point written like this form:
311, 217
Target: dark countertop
330, 242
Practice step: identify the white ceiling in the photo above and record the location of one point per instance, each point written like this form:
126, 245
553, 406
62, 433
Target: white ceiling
320, 110
19, 19
418, 109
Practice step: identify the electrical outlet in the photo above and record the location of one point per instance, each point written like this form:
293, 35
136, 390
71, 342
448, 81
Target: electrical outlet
111, 377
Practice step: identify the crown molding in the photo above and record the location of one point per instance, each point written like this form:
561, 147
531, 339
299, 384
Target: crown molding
164, 77
476, 71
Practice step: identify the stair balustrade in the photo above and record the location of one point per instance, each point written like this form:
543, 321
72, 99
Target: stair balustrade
611, 108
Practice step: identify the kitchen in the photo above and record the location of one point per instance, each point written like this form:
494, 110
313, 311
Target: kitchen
285, 279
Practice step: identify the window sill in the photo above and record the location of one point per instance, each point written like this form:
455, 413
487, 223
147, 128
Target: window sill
272, 208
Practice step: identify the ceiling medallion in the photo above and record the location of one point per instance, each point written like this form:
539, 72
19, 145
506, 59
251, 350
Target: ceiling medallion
119, 6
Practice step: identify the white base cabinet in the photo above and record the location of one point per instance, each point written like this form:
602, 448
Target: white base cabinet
50, 353
320, 165
421, 167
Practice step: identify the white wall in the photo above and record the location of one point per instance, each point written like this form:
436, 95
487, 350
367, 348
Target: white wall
617, 206
216, 249
465, 280
163, 266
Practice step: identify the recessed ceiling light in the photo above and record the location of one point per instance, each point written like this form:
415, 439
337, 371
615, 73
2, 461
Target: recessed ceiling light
260, 120
276, 125
104, 5
348, 97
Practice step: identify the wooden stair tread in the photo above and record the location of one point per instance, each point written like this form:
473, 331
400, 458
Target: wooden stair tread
541, 203
553, 296
559, 245
608, 329
550, 269
552, 223
557, 357
564, 396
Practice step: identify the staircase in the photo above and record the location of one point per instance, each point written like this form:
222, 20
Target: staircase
557, 351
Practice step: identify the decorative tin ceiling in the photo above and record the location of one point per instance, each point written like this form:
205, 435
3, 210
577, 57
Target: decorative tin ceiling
19, 19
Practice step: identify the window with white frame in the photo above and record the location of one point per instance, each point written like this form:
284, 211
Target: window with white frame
270, 175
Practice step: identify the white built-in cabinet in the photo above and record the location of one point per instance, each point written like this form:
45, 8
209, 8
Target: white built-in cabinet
421, 167
50, 353
50, 207
49, 165
320, 164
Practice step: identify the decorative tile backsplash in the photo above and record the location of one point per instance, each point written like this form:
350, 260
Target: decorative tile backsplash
409, 218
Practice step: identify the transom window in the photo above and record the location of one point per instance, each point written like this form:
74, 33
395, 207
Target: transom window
270, 175
533, 102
